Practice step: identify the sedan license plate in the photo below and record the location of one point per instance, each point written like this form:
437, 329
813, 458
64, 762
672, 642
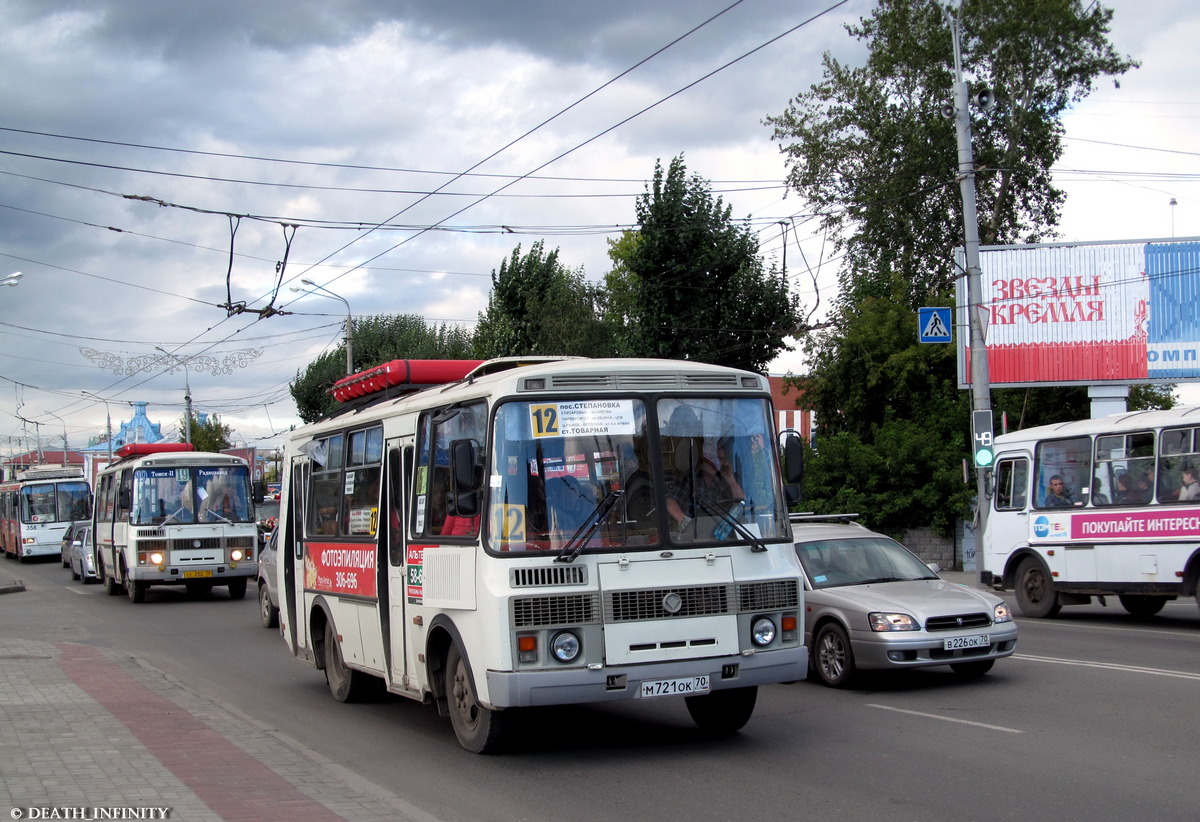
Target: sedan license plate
685, 686
977, 641
196, 574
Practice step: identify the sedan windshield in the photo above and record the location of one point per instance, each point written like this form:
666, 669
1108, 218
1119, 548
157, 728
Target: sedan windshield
833, 563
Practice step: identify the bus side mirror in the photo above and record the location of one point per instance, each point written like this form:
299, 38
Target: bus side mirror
260, 491
465, 479
793, 466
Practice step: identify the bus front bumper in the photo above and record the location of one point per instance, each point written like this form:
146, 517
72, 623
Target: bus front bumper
521, 689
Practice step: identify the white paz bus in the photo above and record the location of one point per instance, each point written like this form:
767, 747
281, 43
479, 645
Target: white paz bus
491, 536
1096, 508
166, 514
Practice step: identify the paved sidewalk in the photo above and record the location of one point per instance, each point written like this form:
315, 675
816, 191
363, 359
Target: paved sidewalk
84, 728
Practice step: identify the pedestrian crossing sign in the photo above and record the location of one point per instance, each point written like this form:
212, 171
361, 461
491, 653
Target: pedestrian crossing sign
933, 325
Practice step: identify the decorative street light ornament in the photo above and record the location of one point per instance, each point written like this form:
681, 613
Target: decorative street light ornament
156, 362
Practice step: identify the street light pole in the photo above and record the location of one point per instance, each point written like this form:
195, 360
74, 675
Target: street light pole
981, 389
349, 321
187, 395
12, 279
107, 420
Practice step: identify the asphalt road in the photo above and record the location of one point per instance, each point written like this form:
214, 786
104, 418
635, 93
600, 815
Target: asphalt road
1094, 719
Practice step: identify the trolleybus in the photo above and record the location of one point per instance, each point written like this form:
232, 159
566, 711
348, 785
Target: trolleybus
492, 536
1097, 508
166, 514
37, 507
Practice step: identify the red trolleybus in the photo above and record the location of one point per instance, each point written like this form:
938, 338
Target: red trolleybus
1096, 508
491, 536
168, 515
37, 507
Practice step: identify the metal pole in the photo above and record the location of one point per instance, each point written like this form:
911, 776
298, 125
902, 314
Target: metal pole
981, 394
107, 420
187, 395
349, 323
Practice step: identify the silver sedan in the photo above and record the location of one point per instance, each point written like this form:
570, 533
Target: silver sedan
871, 604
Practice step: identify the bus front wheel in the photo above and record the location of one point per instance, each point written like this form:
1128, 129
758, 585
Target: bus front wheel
1035, 591
111, 586
479, 730
722, 712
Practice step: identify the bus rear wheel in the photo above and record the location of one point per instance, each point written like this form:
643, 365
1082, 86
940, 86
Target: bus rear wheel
722, 712
345, 683
1035, 591
1142, 605
479, 730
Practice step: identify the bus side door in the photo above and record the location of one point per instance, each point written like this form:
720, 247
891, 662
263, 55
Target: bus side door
398, 473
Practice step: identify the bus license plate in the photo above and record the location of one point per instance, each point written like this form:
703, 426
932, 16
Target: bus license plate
685, 686
977, 641
196, 574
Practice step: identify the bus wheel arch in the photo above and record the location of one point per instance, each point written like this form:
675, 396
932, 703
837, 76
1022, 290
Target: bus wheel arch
1034, 588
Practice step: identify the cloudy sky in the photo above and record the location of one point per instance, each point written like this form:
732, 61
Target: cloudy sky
151, 151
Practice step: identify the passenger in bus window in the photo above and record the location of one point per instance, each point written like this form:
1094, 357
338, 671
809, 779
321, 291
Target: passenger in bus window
1189, 489
1057, 494
1124, 495
1098, 496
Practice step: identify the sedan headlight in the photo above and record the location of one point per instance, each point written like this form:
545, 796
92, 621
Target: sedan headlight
1001, 613
892, 622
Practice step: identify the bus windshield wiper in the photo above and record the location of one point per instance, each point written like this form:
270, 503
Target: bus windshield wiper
756, 544
575, 544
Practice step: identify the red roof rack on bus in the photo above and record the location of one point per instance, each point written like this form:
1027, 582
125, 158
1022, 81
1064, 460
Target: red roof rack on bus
413, 375
141, 449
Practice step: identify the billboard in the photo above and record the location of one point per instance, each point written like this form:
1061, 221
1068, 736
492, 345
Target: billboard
1087, 313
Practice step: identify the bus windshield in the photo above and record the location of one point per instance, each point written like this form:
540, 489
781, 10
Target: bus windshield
588, 474
55, 502
219, 493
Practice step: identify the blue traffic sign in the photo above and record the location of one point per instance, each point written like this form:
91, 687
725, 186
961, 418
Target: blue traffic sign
933, 325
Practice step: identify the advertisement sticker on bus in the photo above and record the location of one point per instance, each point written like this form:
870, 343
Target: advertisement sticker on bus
414, 562
340, 568
582, 418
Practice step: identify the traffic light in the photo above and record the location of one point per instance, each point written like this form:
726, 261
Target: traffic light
982, 441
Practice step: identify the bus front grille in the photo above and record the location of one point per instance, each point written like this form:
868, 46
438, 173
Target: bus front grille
543, 612
660, 603
769, 595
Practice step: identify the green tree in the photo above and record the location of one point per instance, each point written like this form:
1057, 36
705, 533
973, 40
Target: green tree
377, 339
692, 285
208, 435
539, 306
868, 150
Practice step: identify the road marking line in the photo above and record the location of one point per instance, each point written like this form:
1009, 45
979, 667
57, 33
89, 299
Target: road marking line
948, 719
1134, 669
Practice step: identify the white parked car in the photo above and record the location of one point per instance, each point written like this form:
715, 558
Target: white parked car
872, 604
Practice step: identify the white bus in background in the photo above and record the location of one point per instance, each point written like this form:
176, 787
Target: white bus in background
492, 536
37, 507
166, 514
1127, 524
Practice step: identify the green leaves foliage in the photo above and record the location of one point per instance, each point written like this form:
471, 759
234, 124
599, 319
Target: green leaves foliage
693, 285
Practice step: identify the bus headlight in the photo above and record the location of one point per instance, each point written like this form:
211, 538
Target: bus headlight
762, 633
156, 558
236, 554
565, 646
